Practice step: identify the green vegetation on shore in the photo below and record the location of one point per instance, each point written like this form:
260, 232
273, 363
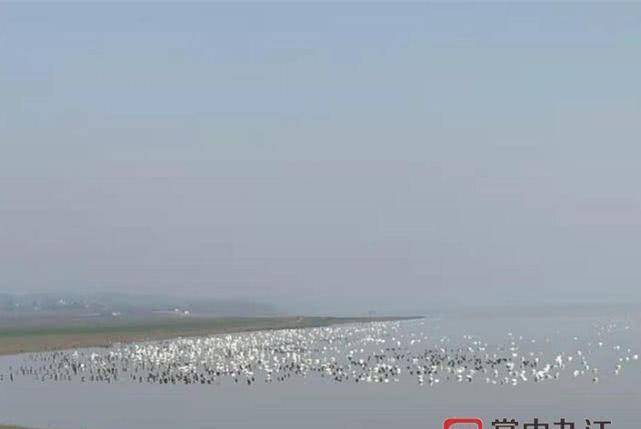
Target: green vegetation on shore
21, 339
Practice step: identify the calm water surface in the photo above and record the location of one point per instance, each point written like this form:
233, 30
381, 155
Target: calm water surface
315, 402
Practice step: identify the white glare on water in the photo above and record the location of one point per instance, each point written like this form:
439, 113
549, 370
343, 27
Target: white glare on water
379, 352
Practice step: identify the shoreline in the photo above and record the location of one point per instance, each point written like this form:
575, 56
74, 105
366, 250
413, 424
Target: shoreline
18, 339
30, 339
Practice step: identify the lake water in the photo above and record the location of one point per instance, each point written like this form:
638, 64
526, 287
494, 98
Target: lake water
317, 400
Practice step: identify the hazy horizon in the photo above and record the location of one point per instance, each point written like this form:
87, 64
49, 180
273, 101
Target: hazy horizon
323, 157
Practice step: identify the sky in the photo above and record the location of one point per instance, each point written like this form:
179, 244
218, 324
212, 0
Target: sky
323, 157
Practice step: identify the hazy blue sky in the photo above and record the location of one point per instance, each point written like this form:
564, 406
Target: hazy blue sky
386, 156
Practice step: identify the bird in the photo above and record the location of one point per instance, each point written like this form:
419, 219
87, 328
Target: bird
386, 352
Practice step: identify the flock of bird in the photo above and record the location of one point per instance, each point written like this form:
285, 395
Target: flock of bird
377, 352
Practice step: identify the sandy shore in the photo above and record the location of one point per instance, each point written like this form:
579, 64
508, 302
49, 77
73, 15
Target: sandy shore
20, 339
23, 339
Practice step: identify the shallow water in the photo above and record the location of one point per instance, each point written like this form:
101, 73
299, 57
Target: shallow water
319, 402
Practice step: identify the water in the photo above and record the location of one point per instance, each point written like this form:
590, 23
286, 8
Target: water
316, 401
